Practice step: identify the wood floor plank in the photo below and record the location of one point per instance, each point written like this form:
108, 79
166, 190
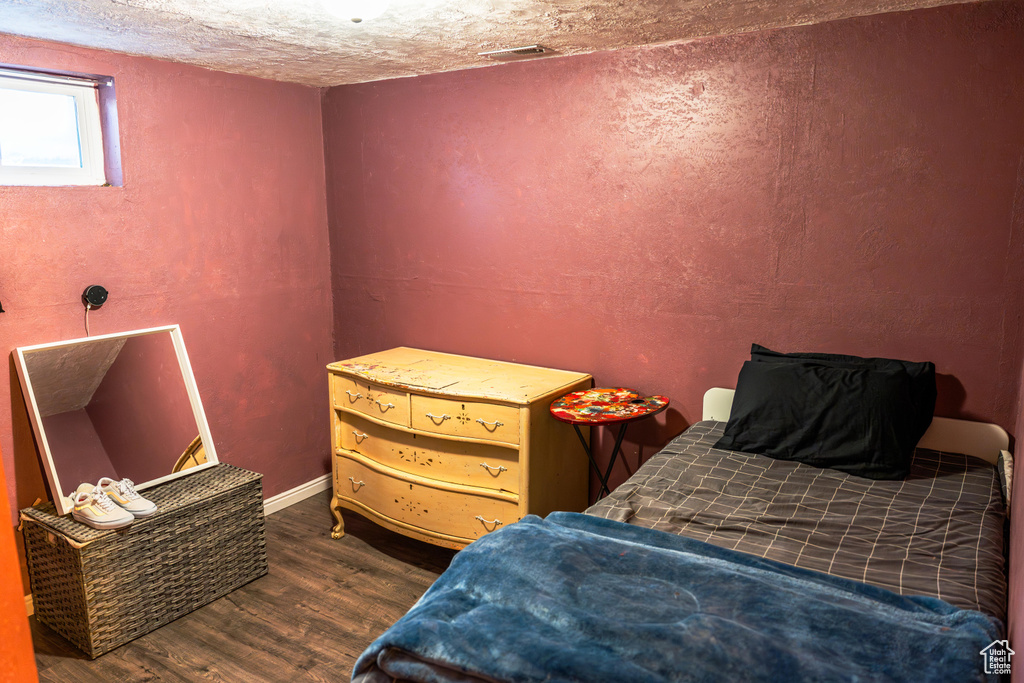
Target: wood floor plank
322, 603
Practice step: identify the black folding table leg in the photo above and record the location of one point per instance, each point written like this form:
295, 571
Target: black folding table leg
604, 491
586, 447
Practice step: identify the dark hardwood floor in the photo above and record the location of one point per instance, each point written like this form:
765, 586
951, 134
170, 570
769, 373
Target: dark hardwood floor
322, 603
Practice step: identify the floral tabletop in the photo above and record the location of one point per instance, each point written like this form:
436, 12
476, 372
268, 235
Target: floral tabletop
606, 405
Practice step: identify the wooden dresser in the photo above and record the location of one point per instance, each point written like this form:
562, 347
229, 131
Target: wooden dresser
445, 448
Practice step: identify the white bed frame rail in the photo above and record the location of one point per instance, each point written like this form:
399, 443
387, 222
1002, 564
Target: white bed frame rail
980, 439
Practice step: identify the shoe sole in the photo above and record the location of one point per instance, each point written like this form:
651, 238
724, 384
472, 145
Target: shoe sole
95, 524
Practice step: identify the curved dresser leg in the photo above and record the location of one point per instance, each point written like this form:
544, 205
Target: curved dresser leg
339, 529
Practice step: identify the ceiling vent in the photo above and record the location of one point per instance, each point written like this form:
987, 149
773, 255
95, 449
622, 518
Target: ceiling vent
512, 53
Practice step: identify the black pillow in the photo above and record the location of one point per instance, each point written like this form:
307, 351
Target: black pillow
857, 415
922, 375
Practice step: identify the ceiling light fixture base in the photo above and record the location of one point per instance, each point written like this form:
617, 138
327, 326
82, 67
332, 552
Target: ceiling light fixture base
356, 11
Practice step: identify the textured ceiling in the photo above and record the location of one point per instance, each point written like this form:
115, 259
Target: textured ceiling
298, 41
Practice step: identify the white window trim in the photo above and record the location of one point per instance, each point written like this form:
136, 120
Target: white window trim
89, 131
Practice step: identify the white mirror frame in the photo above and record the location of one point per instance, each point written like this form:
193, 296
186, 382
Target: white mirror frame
57, 491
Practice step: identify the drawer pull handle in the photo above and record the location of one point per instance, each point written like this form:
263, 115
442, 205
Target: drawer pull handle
495, 524
359, 437
354, 397
438, 419
355, 483
384, 407
499, 469
487, 424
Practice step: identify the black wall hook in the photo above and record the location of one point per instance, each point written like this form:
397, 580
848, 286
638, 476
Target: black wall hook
94, 296
2, 307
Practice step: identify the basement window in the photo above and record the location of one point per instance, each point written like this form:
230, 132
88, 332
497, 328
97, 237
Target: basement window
50, 128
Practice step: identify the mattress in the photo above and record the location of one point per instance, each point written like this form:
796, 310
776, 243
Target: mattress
938, 533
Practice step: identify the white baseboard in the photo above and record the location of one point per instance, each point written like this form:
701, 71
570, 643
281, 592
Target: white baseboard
270, 506
297, 494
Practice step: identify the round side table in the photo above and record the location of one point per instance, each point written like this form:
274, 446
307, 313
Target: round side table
605, 406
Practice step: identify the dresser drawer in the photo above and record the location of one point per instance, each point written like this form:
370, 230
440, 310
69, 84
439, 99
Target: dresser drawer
371, 399
466, 418
457, 462
467, 514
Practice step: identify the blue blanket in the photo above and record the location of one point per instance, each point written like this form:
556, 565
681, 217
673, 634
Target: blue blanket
580, 598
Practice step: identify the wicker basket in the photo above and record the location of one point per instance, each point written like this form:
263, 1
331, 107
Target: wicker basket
103, 588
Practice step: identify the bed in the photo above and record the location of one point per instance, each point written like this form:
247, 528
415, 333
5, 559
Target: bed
885, 533
710, 564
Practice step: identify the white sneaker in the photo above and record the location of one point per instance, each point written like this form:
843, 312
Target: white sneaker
123, 494
84, 487
97, 510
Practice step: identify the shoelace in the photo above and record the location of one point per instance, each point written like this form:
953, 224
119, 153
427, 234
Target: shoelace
126, 487
102, 501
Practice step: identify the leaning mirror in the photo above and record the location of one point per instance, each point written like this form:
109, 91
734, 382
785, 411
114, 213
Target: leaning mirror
119, 405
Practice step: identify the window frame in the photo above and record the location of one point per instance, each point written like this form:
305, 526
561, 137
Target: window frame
90, 131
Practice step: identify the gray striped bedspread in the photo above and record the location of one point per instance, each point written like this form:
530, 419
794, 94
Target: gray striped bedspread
939, 532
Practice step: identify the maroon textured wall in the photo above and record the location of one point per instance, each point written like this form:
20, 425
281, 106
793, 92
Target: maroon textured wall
141, 410
220, 226
76, 449
646, 214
